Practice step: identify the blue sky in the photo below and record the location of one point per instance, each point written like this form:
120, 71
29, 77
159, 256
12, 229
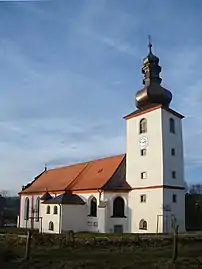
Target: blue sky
69, 71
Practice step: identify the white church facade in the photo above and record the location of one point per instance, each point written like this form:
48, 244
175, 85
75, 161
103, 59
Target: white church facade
142, 191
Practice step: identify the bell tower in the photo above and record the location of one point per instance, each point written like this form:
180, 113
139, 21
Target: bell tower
154, 157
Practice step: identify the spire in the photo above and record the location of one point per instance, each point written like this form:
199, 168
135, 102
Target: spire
151, 69
153, 92
150, 44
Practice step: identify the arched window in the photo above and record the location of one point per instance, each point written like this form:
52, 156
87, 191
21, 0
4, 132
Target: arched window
37, 208
26, 209
143, 225
172, 125
93, 207
48, 209
55, 210
143, 126
51, 226
118, 207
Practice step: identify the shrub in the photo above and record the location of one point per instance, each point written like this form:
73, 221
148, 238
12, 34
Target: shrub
7, 254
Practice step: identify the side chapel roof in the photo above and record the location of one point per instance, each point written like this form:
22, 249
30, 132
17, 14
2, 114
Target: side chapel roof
66, 199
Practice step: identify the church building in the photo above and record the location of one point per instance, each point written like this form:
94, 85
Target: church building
141, 191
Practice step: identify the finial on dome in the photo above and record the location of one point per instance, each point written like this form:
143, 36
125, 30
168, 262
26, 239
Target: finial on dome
153, 92
151, 68
150, 44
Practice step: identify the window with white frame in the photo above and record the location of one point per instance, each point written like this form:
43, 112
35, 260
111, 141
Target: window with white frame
172, 125
173, 152
143, 152
143, 198
55, 210
143, 126
48, 209
51, 226
174, 174
143, 175
174, 198
93, 207
118, 207
143, 224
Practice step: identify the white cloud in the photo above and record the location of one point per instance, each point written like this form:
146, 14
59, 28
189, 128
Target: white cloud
120, 46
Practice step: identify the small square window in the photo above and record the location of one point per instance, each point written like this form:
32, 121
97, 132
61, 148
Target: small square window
173, 152
174, 198
143, 152
143, 198
174, 174
143, 175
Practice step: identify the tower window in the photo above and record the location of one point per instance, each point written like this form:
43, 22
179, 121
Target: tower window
143, 126
172, 125
143, 175
174, 174
174, 198
173, 152
143, 152
143, 198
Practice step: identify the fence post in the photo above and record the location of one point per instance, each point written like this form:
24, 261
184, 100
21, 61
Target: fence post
175, 245
28, 245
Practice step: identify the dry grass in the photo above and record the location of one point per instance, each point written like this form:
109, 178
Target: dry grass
190, 256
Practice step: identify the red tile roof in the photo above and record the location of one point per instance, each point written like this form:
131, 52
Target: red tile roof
82, 176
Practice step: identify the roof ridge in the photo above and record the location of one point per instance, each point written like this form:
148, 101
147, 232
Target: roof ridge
68, 187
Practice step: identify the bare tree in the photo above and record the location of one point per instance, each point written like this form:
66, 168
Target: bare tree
4, 193
2, 210
195, 189
3, 196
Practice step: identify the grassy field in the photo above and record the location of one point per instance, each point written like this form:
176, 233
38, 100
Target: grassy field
190, 256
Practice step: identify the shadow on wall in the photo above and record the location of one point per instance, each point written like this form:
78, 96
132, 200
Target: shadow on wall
129, 216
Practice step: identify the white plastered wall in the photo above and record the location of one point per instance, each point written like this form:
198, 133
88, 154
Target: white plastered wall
158, 164
111, 222
73, 218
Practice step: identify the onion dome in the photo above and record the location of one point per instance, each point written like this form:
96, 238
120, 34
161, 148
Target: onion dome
153, 93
